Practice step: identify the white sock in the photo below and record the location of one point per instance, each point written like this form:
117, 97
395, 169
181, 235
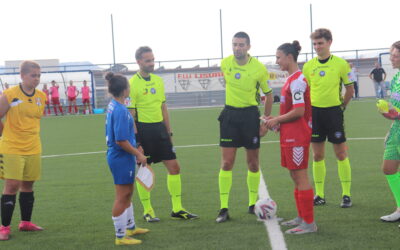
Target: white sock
120, 224
130, 224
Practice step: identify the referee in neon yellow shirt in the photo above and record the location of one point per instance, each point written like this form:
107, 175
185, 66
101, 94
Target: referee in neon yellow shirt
147, 105
239, 120
325, 75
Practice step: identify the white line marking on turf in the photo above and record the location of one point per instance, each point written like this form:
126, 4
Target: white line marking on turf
195, 146
274, 230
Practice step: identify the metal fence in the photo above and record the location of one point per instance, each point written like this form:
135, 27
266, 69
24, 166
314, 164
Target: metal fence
363, 59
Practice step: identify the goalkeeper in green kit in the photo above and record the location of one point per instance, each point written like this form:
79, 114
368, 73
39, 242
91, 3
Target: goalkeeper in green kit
391, 156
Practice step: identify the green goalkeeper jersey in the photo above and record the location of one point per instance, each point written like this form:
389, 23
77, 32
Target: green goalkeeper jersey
395, 94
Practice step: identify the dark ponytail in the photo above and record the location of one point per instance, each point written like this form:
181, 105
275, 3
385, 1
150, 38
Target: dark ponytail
117, 83
293, 48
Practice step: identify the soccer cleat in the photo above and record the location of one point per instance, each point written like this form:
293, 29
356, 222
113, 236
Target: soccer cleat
126, 241
5, 232
294, 222
393, 217
223, 215
137, 230
251, 209
303, 228
149, 218
346, 202
184, 215
28, 226
318, 201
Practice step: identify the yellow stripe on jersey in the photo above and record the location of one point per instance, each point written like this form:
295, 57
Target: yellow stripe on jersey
244, 81
147, 97
22, 122
326, 80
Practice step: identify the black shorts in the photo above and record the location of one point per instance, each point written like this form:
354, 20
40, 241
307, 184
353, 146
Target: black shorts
328, 122
156, 142
239, 127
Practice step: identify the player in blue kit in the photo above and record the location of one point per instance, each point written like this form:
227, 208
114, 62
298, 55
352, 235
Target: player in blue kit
121, 158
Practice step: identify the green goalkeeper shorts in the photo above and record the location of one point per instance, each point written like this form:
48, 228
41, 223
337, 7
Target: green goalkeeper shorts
392, 143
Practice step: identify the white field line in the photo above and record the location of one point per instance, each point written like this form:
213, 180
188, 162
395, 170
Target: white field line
275, 234
194, 146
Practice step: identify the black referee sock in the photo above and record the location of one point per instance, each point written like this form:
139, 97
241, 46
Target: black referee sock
26, 200
7, 208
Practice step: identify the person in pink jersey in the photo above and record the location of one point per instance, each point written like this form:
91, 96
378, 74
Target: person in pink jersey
85, 90
72, 93
47, 92
55, 97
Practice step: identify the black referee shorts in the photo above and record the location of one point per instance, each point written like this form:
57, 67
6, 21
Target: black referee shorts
239, 127
156, 142
328, 122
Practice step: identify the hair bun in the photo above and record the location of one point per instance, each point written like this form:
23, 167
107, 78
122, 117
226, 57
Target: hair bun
109, 76
296, 45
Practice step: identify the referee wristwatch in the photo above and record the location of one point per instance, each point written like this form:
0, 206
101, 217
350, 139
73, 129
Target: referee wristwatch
171, 134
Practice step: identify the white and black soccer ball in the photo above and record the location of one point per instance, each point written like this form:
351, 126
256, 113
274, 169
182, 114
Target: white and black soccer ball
265, 209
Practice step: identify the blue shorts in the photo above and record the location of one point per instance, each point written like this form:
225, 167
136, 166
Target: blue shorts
122, 166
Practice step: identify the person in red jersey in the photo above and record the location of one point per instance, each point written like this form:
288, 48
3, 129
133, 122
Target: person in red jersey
294, 122
55, 97
72, 93
85, 90
47, 92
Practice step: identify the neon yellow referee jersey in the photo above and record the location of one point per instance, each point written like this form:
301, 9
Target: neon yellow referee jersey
147, 97
243, 82
325, 80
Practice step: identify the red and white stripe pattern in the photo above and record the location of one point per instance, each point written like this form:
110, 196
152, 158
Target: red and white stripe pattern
298, 155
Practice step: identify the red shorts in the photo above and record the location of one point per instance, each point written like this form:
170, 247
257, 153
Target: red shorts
86, 100
71, 98
55, 100
294, 158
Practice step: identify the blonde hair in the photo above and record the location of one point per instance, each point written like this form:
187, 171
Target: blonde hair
26, 66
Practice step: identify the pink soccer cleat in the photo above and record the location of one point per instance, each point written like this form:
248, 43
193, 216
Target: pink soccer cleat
28, 226
4, 232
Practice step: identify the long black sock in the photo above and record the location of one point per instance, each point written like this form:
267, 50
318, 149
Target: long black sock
26, 200
7, 208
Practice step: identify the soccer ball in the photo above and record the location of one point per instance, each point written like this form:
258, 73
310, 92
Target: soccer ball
265, 208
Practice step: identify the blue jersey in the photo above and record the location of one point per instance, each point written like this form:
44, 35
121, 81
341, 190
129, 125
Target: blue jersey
119, 127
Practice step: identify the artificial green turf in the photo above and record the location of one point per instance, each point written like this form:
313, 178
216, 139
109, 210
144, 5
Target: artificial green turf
75, 196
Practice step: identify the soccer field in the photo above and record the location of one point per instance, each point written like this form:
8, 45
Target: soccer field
75, 196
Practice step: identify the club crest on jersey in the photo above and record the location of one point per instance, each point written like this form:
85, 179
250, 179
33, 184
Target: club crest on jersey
38, 102
322, 73
237, 75
153, 90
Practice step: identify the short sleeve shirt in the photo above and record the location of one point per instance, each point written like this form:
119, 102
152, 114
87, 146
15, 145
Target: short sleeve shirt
295, 93
243, 82
21, 133
325, 80
119, 126
147, 97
